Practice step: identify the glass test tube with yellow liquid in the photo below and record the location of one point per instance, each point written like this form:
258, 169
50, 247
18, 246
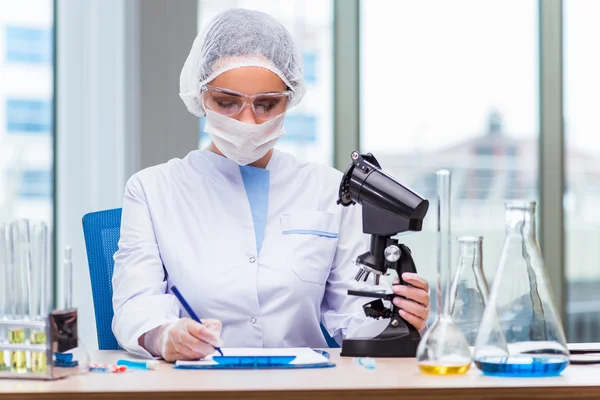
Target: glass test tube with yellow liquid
20, 272
5, 248
39, 294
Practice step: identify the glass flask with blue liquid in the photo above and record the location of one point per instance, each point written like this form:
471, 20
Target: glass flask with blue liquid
521, 333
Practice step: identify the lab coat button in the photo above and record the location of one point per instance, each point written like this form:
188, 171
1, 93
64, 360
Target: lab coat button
252, 320
252, 259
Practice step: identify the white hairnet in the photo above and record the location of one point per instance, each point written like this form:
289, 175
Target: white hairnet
240, 38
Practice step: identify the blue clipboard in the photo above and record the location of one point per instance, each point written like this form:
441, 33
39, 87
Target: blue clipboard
257, 362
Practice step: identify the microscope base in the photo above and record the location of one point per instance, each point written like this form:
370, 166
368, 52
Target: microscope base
401, 347
397, 340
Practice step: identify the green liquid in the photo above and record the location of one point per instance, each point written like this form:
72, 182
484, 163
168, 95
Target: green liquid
18, 359
38, 359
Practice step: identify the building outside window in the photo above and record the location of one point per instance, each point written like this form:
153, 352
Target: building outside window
26, 117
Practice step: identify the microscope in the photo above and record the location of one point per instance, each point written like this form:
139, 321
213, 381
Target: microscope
388, 209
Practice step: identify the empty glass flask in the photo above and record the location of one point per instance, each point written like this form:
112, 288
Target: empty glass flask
521, 333
469, 292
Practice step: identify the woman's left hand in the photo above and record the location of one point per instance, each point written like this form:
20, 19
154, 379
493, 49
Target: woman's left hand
414, 303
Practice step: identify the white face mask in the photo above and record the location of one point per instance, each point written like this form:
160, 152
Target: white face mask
241, 142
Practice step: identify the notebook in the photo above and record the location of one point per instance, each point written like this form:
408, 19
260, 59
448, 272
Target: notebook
582, 348
258, 358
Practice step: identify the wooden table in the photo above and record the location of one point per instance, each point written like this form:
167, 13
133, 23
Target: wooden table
391, 379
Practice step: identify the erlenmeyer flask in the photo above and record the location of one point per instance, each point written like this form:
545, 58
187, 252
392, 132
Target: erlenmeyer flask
443, 349
521, 333
469, 292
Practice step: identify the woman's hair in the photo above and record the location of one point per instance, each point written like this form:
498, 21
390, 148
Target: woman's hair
241, 38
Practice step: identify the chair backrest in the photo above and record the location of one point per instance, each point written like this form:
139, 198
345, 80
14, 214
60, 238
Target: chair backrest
101, 231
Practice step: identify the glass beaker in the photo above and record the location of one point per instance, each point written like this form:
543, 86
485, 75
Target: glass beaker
521, 334
469, 292
443, 349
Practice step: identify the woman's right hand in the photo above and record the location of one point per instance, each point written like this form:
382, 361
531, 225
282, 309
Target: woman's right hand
187, 339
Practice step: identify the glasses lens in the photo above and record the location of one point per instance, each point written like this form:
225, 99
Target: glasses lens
270, 106
223, 103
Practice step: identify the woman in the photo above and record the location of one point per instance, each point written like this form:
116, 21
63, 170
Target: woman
251, 236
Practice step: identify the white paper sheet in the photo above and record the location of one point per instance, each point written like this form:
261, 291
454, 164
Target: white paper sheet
581, 347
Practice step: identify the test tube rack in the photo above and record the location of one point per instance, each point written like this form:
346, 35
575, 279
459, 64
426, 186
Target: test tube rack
60, 328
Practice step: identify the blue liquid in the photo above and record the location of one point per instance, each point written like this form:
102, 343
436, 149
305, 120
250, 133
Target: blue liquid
523, 365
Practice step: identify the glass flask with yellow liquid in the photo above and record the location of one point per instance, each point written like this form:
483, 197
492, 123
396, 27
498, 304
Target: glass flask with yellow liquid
443, 349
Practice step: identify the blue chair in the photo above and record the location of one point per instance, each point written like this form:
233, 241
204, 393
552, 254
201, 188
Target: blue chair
101, 231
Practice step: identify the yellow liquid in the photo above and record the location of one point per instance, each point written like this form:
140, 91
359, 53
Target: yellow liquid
38, 359
18, 362
2, 362
445, 369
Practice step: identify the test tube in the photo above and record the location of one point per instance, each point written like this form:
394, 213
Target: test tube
21, 279
39, 289
68, 277
444, 241
4, 295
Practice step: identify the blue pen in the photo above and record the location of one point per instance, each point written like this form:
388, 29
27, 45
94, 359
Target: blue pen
189, 310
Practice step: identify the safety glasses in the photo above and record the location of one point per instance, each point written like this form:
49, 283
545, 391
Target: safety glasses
230, 103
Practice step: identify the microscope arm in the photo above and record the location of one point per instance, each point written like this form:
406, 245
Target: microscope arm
404, 264
399, 338
376, 309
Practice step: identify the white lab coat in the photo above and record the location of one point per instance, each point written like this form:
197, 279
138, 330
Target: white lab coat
192, 216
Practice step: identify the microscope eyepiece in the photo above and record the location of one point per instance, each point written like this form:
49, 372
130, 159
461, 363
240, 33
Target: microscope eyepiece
389, 207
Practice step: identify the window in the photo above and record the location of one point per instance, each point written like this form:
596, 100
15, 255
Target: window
35, 184
26, 116
310, 68
478, 184
309, 125
453, 87
28, 45
582, 170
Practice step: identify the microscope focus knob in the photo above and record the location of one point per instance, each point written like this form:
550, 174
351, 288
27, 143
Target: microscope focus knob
392, 253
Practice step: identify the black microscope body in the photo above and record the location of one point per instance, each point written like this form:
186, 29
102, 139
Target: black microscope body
388, 208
